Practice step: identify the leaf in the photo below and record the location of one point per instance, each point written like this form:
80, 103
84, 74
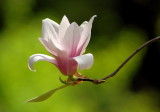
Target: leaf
46, 95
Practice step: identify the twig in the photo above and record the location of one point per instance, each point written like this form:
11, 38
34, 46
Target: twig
95, 81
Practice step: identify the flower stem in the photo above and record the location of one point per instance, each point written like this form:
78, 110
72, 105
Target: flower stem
95, 81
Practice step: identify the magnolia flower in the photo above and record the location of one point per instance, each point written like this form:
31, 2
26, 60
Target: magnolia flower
66, 42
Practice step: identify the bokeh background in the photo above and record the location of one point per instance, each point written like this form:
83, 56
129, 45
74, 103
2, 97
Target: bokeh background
120, 28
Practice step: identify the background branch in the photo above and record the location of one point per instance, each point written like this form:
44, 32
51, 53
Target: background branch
95, 81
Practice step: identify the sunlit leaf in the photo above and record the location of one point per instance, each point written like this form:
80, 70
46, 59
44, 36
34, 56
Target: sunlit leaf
46, 95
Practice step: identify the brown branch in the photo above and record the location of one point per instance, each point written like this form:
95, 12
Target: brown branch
95, 81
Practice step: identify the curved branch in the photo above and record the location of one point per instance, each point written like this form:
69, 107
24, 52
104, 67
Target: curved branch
95, 81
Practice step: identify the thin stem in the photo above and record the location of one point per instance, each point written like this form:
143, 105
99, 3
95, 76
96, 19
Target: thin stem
116, 71
133, 54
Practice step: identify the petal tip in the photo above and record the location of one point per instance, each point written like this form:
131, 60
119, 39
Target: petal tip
31, 68
92, 18
65, 18
95, 15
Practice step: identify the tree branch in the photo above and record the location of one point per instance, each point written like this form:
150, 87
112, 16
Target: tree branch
98, 81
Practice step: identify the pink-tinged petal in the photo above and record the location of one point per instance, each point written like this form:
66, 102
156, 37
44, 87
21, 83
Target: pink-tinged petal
67, 66
85, 36
48, 31
40, 57
54, 24
84, 61
71, 39
49, 47
63, 27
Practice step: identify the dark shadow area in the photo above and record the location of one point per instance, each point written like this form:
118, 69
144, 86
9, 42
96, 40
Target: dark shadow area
1, 16
143, 14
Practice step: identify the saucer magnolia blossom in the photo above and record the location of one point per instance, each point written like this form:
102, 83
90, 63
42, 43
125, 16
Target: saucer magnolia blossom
66, 42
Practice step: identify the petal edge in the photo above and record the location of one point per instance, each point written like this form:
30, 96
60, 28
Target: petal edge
84, 61
40, 57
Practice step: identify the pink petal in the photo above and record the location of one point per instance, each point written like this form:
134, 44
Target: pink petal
85, 36
67, 66
84, 61
63, 27
71, 39
40, 57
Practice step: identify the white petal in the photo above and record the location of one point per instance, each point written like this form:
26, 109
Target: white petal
40, 57
54, 24
84, 61
85, 36
48, 31
71, 39
49, 47
82, 26
50, 38
63, 27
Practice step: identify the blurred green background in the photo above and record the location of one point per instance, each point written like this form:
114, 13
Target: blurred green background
121, 27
